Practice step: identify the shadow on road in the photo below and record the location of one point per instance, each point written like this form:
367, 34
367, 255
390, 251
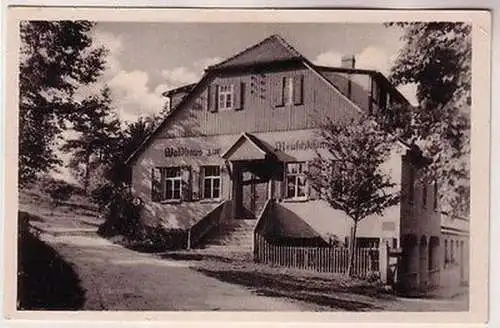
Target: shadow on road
324, 292
45, 280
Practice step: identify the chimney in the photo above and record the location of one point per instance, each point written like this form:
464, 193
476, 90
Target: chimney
348, 61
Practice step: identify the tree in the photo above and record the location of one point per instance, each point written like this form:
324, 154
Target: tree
350, 177
98, 132
116, 172
56, 57
113, 195
437, 58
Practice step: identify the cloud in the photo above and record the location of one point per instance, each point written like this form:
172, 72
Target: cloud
205, 62
114, 45
370, 58
179, 76
329, 58
373, 58
183, 75
131, 95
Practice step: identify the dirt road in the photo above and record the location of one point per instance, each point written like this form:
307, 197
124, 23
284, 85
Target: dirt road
115, 278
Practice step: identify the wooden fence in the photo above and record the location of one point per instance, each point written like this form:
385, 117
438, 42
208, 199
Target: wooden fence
322, 259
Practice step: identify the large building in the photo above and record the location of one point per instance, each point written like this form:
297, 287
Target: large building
241, 138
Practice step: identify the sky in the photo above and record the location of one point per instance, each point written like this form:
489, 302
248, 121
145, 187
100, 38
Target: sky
146, 59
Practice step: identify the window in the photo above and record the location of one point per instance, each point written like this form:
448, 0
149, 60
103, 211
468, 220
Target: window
226, 97
172, 181
296, 180
287, 92
211, 182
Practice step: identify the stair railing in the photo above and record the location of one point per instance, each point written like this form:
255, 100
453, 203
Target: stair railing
262, 215
206, 224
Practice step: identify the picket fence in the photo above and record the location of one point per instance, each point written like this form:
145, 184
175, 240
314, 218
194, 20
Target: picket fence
321, 259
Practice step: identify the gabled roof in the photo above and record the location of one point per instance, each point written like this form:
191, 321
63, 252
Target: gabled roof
279, 50
260, 146
271, 49
184, 89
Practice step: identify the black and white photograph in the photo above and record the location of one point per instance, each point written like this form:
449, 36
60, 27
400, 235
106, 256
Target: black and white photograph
244, 165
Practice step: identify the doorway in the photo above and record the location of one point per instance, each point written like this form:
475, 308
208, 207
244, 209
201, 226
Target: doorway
252, 186
254, 193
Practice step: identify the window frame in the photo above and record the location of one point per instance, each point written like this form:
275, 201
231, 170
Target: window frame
224, 95
211, 178
174, 180
287, 91
296, 182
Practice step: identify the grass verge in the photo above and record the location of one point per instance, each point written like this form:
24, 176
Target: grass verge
331, 291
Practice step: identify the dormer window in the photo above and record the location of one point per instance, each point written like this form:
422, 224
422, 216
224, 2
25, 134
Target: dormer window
226, 99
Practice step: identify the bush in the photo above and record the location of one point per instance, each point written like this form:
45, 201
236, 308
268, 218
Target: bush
121, 213
58, 190
157, 239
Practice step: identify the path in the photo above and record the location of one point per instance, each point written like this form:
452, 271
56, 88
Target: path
115, 278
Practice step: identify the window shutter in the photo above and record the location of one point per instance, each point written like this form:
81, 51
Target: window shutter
186, 183
280, 95
239, 96
298, 90
312, 193
213, 98
243, 94
201, 177
156, 185
195, 194
236, 96
282, 183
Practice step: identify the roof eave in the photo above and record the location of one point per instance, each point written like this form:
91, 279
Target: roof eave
133, 156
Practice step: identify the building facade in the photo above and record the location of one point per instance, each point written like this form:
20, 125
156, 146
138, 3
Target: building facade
243, 136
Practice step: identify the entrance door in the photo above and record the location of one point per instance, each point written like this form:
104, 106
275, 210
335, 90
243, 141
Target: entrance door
254, 194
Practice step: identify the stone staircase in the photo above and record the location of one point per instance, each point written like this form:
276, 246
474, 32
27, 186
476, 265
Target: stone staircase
231, 236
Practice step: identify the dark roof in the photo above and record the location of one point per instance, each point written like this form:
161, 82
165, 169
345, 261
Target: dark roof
345, 70
184, 89
271, 49
264, 147
375, 74
279, 50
